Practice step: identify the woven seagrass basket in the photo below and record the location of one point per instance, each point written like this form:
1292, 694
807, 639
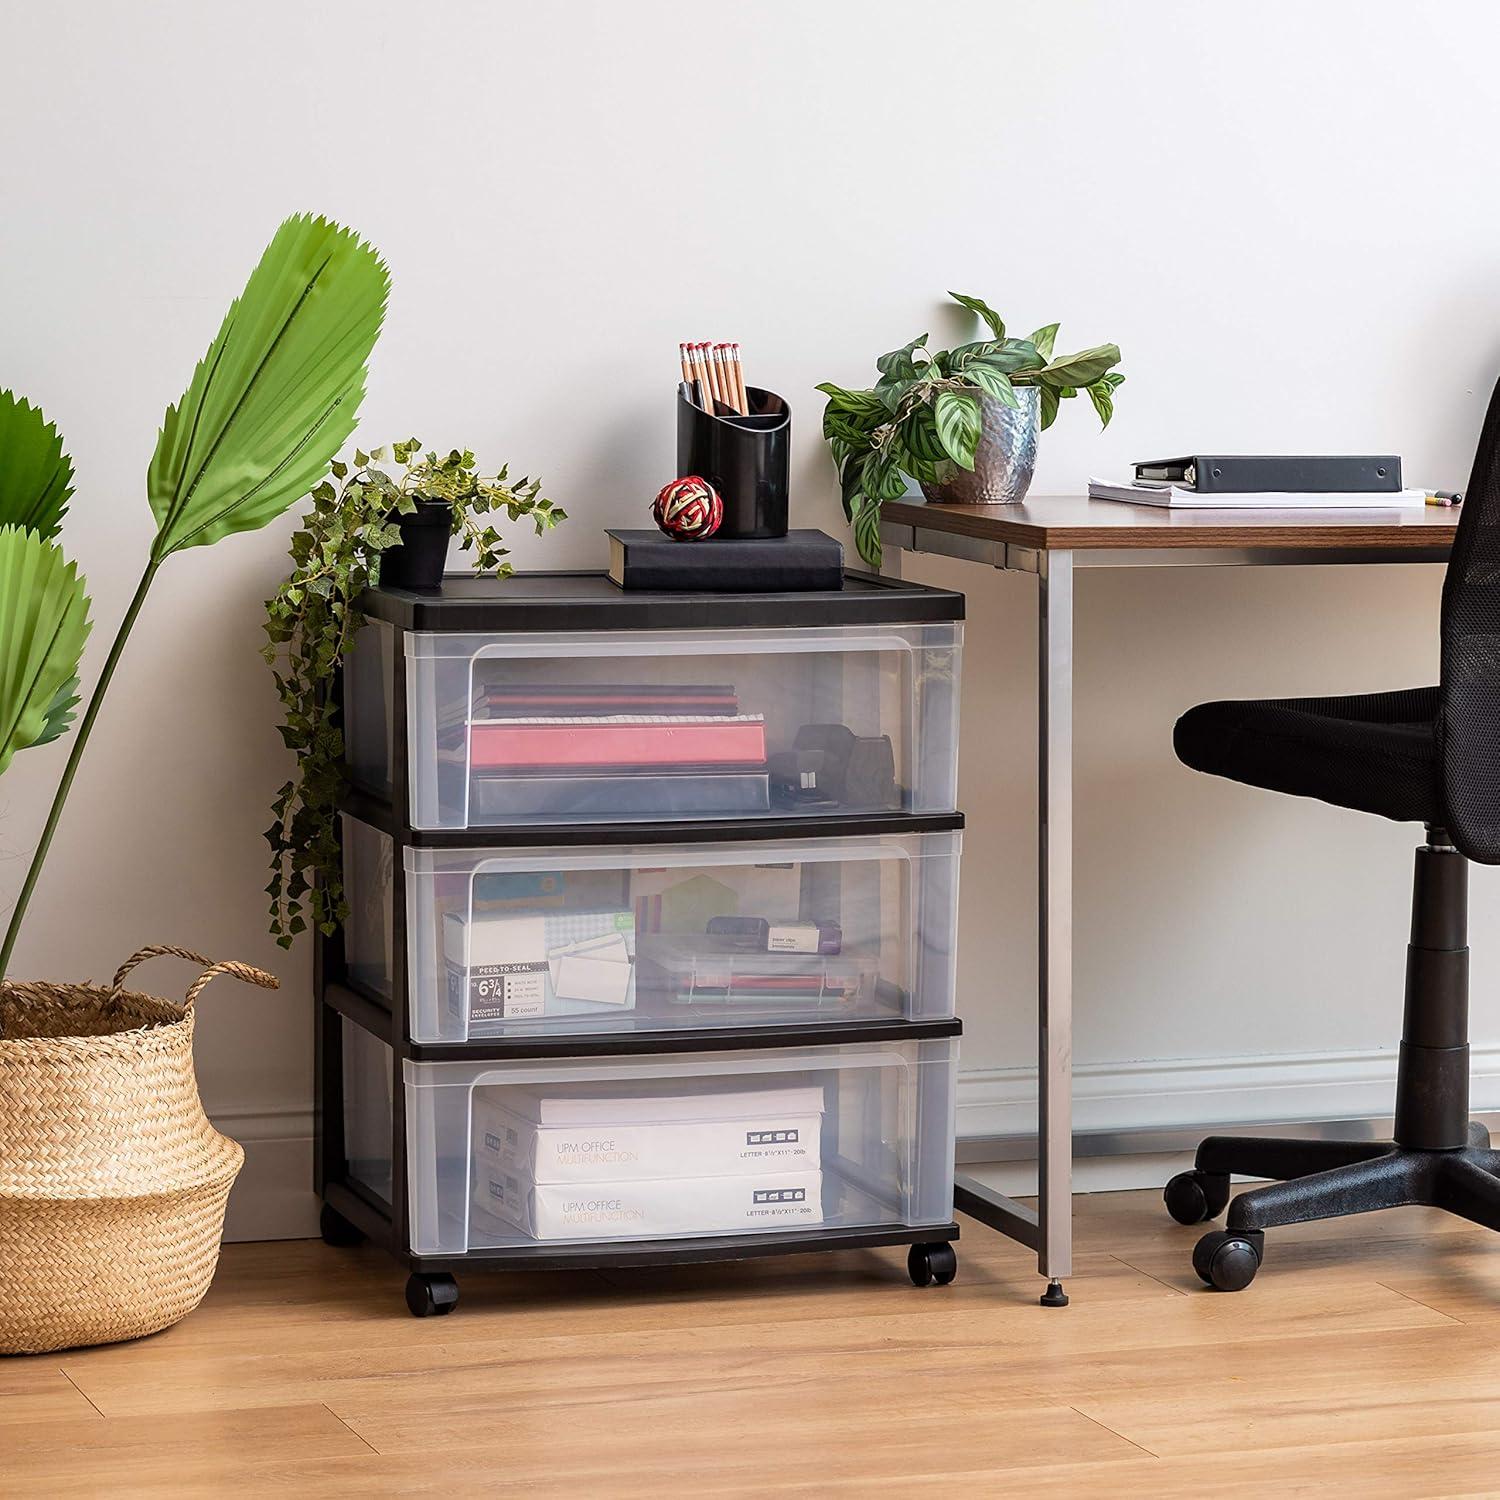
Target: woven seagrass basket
112, 1181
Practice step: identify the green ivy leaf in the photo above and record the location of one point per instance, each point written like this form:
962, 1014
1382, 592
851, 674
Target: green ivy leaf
958, 426
984, 310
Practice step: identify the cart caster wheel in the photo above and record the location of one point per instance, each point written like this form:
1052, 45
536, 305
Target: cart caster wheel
431, 1296
1054, 1296
337, 1230
1228, 1259
1195, 1197
932, 1265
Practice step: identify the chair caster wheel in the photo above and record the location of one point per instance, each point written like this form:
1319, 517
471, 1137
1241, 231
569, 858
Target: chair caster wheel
1479, 1135
431, 1296
1228, 1259
932, 1265
1196, 1196
337, 1230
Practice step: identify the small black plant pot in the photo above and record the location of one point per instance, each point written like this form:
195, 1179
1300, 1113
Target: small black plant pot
418, 561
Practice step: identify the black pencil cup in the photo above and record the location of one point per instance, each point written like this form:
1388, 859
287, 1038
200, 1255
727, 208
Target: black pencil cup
746, 459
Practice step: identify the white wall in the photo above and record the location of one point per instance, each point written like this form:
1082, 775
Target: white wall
1283, 213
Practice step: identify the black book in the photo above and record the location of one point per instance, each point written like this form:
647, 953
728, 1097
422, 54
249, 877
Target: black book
792, 564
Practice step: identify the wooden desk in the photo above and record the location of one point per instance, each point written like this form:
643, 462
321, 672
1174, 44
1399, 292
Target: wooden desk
1050, 536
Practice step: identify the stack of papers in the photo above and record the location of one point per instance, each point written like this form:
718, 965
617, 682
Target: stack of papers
1176, 497
619, 1164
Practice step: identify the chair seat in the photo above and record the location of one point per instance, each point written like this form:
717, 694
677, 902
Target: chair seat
1373, 752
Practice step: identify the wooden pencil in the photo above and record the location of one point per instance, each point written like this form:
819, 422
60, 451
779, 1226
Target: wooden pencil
721, 371
687, 369
715, 375
700, 374
739, 380
726, 378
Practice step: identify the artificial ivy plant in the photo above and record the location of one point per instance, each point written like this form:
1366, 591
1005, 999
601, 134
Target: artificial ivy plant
270, 403
311, 622
923, 415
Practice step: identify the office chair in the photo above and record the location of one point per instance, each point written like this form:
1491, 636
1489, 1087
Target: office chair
1424, 755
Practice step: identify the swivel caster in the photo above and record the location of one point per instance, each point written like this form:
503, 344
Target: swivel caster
1196, 1196
431, 1296
1227, 1259
337, 1230
932, 1265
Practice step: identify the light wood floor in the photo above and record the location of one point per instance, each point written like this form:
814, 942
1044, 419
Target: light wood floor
1366, 1357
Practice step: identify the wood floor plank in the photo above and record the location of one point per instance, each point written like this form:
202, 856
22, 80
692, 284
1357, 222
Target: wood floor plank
1363, 1361
35, 1389
166, 1452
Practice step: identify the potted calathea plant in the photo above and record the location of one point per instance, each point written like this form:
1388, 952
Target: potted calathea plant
112, 1180
963, 423
352, 533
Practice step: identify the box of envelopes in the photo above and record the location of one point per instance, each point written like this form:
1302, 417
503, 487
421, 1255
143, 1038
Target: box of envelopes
688, 1205
508, 966
554, 1139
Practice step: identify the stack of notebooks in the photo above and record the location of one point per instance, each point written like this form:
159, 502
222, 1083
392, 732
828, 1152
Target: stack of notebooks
630, 1166
1264, 482
659, 749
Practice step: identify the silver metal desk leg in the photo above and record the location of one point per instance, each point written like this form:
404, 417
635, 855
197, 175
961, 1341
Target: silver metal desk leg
1055, 923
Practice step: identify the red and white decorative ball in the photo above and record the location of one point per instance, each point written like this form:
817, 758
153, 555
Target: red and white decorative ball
688, 509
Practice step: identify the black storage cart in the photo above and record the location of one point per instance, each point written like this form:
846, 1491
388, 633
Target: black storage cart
650, 954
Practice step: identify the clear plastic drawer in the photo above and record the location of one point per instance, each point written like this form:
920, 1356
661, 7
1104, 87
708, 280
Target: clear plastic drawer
653, 937
653, 726
368, 1081
797, 1140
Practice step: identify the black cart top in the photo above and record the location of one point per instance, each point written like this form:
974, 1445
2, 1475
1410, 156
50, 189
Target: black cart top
589, 601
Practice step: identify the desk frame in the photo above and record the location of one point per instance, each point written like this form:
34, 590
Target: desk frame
1048, 1229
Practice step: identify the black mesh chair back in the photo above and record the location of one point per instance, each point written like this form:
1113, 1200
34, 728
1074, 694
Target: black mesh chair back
1469, 715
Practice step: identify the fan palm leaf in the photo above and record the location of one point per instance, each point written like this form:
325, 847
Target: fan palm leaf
36, 476
267, 408
277, 393
43, 626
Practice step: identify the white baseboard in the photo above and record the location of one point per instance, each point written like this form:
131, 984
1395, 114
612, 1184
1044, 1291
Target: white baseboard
1192, 1092
274, 1200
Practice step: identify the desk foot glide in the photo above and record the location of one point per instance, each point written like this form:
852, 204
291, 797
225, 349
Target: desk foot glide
1054, 1296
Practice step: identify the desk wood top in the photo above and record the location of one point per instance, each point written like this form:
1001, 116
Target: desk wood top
1067, 522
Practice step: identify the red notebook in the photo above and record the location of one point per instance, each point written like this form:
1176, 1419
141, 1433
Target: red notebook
667, 740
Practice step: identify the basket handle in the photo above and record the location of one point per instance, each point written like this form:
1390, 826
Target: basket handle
211, 970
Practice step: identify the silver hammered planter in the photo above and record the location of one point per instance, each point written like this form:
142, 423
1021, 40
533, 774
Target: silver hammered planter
1006, 456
